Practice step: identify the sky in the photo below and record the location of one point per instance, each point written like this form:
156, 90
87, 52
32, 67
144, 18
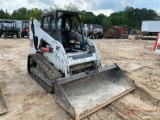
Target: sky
96, 6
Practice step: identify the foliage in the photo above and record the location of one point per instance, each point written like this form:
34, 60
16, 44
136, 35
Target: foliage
100, 18
130, 17
89, 17
106, 22
4, 15
21, 13
35, 12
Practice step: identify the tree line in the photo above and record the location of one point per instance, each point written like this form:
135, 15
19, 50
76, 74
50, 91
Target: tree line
21, 14
130, 17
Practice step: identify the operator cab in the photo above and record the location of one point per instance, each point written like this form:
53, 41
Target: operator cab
65, 27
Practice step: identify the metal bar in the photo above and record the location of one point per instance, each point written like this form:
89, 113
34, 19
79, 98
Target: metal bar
83, 75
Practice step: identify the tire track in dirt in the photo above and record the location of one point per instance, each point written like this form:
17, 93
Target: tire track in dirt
143, 106
122, 109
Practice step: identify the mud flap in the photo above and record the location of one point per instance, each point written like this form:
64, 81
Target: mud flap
3, 106
83, 94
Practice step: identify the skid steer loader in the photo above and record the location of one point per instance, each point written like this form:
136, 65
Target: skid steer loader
62, 60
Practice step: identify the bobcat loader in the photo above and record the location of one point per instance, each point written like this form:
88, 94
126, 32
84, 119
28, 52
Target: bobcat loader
62, 60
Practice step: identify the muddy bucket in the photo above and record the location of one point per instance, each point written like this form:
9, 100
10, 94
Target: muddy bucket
83, 94
3, 106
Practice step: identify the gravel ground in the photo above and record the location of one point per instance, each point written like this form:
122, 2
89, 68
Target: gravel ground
26, 100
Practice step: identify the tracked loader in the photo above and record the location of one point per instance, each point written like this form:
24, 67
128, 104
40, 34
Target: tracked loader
63, 61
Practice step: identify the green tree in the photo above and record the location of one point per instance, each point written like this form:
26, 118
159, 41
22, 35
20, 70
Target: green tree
20, 14
100, 18
89, 17
115, 18
35, 12
7, 15
4, 15
158, 16
132, 17
105, 23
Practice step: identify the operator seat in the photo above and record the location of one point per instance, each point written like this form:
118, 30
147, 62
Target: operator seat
65, 40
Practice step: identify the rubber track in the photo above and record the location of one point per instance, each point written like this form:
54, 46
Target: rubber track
49, 72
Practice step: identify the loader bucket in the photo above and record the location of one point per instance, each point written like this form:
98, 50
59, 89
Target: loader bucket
83, 94
3, 106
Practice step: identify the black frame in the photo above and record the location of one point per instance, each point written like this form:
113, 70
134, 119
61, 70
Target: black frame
56, 18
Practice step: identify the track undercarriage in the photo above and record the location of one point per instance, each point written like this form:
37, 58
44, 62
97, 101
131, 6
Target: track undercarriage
42, 71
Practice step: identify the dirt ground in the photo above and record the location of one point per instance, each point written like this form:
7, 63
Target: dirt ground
26, 100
